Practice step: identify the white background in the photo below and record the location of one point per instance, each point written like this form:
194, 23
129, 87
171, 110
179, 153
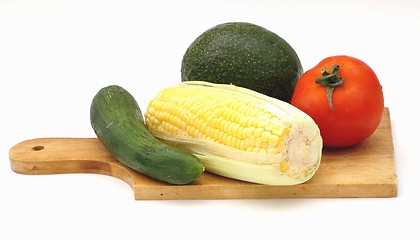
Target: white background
55, 55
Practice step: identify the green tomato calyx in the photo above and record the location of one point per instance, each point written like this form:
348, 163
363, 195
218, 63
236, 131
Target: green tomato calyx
330, 79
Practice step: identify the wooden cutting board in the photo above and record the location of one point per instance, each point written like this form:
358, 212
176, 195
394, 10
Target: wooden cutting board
363, 171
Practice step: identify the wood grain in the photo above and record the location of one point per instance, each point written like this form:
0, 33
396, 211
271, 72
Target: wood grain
363, 171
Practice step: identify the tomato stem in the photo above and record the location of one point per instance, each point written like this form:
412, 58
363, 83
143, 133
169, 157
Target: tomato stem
330, 79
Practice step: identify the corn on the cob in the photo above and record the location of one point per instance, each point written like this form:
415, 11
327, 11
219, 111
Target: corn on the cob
238, 133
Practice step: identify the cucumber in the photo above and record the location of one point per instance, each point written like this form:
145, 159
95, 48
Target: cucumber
118, 123
245, 55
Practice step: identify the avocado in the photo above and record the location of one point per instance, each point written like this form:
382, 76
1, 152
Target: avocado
246, 55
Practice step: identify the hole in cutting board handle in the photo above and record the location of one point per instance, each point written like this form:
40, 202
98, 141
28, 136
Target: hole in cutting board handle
38, 148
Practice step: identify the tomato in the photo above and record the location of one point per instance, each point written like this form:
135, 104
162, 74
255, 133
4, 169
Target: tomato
356, 99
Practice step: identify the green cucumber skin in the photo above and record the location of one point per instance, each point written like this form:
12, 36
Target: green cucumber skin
118, 123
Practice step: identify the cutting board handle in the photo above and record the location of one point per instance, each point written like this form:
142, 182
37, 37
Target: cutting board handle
66, 155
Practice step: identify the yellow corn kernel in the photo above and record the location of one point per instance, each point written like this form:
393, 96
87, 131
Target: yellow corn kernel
249, 131
284, 165
258, 142
273, 140
258, 132
265, 136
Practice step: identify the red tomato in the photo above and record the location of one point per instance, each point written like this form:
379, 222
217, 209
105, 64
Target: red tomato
357, 100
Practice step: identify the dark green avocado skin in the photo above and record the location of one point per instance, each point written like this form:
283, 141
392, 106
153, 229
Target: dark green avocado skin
246, 55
